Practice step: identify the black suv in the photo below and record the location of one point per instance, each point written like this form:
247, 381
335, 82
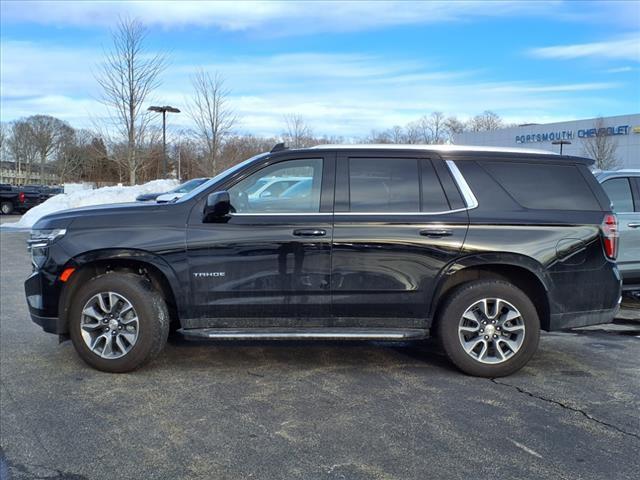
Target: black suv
481, 247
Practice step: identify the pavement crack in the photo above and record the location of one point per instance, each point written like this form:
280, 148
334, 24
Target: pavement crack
567, 407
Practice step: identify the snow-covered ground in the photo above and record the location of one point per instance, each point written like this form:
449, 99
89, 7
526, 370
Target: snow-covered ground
84, 198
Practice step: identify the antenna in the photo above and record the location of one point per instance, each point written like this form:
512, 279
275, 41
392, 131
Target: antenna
278, 147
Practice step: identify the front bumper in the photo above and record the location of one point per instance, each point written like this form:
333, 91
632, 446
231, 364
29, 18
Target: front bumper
48, 324
42, 299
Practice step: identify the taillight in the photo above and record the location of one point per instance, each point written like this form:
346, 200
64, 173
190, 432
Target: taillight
21, 197
610, 235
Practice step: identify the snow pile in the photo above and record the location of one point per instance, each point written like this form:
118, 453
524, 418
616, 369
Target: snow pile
84, 198
74, 187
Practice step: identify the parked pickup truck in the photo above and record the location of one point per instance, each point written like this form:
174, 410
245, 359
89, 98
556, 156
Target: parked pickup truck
18, 199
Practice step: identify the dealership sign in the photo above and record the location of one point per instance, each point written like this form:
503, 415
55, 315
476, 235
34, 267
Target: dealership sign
571, 134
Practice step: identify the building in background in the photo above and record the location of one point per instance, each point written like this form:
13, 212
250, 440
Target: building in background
621, 130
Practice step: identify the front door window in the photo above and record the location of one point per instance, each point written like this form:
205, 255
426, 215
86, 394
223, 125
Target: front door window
291, 186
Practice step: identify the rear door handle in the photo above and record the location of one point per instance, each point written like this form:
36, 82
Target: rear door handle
436, 232
310, 232
633, 225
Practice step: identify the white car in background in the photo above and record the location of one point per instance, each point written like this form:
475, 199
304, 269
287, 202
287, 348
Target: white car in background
271, 187
623, 188
180, 190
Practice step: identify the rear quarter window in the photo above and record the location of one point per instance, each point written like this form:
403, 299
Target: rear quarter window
544, 186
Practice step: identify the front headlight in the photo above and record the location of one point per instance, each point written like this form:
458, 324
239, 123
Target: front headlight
39, 242
45, 237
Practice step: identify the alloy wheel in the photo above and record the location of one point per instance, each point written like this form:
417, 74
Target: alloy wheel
109, 325
491, 330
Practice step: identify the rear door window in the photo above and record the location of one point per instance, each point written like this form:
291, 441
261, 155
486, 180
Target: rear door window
544, 186
384, 185
619, 192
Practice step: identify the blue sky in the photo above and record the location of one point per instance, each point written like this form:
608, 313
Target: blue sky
345, 67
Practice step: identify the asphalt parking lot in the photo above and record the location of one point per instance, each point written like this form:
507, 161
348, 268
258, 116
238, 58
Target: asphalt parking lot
312, 410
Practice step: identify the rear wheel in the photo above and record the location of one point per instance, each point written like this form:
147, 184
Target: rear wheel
118, 322
489, 328
6, 208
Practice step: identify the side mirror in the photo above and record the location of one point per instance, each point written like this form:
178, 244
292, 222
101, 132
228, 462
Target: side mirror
218, 206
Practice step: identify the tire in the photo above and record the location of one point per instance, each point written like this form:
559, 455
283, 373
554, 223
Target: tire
511, 343
142, 329
6, 208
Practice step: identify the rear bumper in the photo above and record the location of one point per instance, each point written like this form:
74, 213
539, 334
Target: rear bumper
563, 321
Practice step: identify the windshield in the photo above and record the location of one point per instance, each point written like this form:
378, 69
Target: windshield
188, 186
221, 176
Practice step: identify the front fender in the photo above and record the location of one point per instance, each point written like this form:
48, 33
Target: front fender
123, 256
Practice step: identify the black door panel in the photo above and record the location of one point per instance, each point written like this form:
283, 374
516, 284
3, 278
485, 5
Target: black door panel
269, 259
257, 266
395, 229
385, 267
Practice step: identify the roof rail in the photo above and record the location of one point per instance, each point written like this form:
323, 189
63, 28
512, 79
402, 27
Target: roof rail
278, 147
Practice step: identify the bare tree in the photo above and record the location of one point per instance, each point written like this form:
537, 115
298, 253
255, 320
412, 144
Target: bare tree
414, 133
4, 135
127, 77
22, 147
210, 111
297, 133
438, 126
376, 136
428, 129
47, 134
396, 134
71, 153
601, 147
453, 126
238, 148
486, 121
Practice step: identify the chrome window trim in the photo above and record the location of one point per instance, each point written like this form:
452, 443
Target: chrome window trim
467, 193
274, 214
278, 214
402, 213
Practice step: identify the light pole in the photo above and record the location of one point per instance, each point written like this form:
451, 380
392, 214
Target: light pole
561, 143
164, 111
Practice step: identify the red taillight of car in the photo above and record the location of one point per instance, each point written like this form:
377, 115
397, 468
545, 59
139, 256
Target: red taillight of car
21, 197
610, 235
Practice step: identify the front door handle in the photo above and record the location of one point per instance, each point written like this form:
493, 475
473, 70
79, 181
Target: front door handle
436, 232
310, 232
633, 225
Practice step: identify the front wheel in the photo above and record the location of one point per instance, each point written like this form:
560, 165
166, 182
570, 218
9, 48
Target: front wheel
118, 322
489, 328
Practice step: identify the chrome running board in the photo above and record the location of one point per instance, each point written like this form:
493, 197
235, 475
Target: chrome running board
305, 334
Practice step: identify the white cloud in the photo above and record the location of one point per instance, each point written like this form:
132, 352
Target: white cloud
337, 94
275, 17
626, 48
30, 68
621, 69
